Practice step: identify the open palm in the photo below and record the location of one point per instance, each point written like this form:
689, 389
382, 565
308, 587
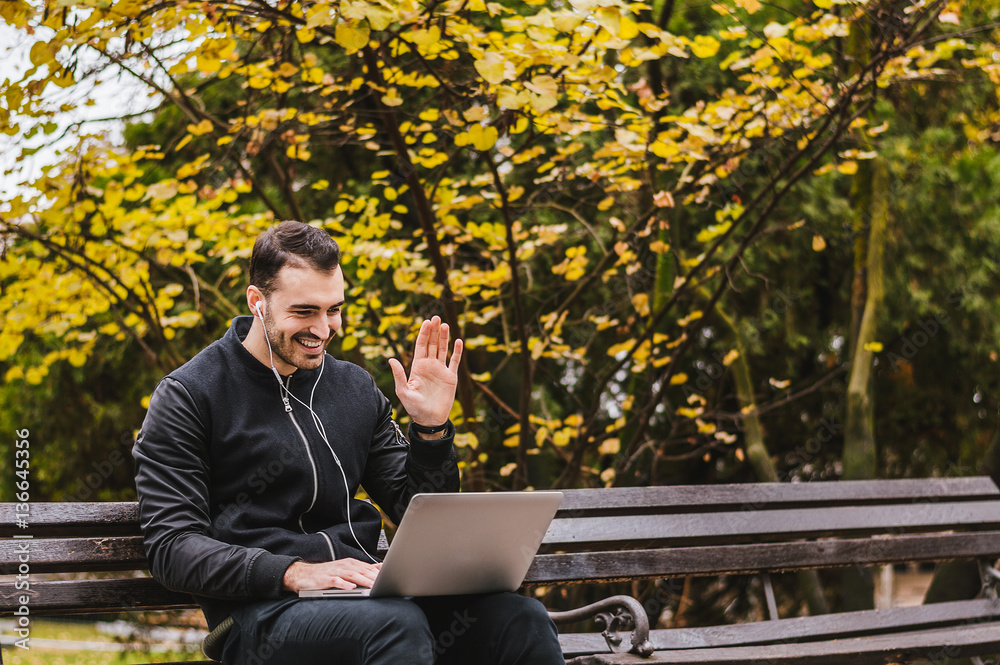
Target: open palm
429, 392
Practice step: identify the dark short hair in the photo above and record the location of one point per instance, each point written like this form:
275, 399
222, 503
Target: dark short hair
291, 243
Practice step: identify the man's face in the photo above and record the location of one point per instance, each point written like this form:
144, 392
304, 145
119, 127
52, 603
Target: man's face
302, 315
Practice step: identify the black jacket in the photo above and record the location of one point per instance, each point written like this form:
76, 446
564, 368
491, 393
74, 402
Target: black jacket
233, 489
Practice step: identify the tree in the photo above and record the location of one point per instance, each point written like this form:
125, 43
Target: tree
589, 193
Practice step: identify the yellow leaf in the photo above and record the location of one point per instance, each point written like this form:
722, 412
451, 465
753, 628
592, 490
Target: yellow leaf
494, 68
508, 469
546, 89
610, 19
819, 244
641, 303
16, 12
775, 30
664, 150
477, 113
349, 343
352, 35
543, 103
678, 379
203, 127
610, 447
426, 37
874, 347
319, 15
483, 138
306, 35
35, 375
750, 5
663, 199
392, 98
380, 17
543, 85
849, 167
780, 385
162, 190
466, 440
41, 54
629, 29
705, 46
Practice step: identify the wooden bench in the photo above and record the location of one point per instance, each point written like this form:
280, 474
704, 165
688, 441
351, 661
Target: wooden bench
608, 535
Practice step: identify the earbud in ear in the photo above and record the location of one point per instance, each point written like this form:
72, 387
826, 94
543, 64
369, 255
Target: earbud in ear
259, 313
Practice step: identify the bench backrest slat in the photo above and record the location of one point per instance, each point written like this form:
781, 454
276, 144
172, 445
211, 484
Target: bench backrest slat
635, 530
72, 555
94, 596
607, 566
122, 518
768, 496
109, 518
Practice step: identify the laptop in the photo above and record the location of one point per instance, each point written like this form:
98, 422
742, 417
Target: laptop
460, 543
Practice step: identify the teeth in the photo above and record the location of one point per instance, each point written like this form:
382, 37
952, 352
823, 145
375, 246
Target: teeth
310, 344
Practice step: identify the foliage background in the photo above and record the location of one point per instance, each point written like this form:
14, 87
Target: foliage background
684, 242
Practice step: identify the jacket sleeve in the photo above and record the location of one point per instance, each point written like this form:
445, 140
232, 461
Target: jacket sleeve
397, 469
172, 481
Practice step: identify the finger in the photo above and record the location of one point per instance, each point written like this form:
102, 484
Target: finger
423, 337
338, 582
398, 374
456, 356
434, 341
365, 576
442, 349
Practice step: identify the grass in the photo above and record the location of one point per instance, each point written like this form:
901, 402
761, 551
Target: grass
85, 632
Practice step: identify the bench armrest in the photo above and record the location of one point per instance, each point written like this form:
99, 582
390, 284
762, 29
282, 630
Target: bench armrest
622, 619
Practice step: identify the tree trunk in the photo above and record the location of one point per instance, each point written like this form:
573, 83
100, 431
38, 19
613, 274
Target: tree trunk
760, 458
859, 457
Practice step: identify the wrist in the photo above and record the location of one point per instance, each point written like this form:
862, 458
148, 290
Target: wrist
430, 432
290, 581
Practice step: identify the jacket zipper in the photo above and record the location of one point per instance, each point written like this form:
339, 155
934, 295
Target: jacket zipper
312, 463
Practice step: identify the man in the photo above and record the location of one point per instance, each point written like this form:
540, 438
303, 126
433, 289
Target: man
250, 456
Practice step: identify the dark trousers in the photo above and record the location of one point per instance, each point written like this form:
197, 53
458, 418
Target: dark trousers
490, 629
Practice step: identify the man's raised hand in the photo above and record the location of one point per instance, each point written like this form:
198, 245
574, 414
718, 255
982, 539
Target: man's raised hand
429, 392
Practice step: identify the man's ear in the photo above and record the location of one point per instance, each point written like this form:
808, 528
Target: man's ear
255, 301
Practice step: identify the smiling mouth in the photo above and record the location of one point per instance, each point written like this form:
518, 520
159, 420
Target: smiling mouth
311, 344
